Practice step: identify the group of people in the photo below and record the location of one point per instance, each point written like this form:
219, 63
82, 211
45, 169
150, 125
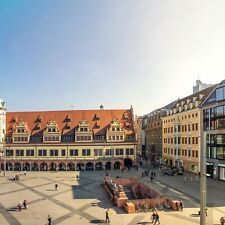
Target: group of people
22, 204
155, 218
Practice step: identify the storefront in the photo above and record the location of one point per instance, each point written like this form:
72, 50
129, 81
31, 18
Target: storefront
221, 172
209, 169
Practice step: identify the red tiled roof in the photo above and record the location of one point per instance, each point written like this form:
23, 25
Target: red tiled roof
99, 120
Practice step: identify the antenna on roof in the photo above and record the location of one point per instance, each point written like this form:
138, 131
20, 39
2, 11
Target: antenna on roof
101, 107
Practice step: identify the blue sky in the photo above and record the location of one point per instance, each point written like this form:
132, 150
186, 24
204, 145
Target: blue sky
64, 54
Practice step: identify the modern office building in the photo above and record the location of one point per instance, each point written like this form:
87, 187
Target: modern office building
214, 127
70, 140
181, 131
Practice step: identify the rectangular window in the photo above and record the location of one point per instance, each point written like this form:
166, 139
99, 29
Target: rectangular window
86, 152
29, 152
63, 152
42, 152
189, 153
98, 152
119, 151
9, 152
129, 151
53, 152
19, 152
109, 152
73, 152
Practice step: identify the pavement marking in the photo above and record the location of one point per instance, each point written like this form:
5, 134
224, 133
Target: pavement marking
7, 215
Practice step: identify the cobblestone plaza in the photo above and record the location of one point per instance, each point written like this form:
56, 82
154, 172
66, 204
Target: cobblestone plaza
83, 200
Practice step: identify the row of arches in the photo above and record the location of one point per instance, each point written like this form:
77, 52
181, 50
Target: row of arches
63, 166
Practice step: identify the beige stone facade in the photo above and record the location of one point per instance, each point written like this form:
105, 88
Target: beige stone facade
181, 132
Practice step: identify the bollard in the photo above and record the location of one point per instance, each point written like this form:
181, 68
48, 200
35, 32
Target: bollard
185, 178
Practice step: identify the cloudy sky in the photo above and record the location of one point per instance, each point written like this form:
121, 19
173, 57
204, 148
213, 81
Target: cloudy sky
68, 54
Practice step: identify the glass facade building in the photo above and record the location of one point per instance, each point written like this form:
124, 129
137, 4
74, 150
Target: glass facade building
214, 126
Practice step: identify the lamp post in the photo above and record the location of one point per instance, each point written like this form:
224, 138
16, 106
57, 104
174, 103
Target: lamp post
4, 153
202, 174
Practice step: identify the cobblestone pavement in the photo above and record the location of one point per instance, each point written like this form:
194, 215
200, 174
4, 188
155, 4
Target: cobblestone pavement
83, 201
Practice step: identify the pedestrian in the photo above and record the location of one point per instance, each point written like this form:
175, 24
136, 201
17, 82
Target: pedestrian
25, 204
177, 206
107, 220
151, 178
49, 220
56, 187
20, 205
222, 220
153, 216
156, 218
181, 206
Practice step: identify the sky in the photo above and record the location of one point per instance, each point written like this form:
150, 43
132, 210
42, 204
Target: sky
70, 54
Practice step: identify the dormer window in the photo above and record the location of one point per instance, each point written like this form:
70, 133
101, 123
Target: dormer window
20, 134
83, 132
201, 96
52, 133
188, 101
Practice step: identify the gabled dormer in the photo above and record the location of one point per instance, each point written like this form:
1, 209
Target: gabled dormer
52, 132
20, 133
115, 132
83, 132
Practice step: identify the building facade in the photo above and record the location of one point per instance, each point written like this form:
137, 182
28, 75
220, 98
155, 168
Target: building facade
181, 132
138, 132
214, 127
70, 140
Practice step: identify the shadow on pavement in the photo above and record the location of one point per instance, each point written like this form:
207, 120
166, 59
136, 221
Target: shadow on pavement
97, 221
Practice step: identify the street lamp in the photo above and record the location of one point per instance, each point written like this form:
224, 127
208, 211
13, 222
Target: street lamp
202, 175
4, 154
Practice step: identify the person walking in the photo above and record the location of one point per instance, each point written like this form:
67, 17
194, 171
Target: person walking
49, 220
153, 216
151, 178
181, 206
56, 187
222, 220
156, 218
107, 220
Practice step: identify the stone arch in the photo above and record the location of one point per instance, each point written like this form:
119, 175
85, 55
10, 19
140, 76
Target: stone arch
108, 165
71, 166
26, 166
34, 166
62, 166
128, 162
43, 166
17, 166
80, 166
52, 166
89, 166
117, 165
99, 166
9, 166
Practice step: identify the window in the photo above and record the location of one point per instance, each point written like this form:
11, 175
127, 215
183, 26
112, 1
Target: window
98, 152
109, 152
86, 152
73, 152
119, 151
29, 152
53, 152
220, 94
9, 152
189, 140
42, 152
63, 152
19, 152
196, 154
193, 126
189, 153
129, 151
